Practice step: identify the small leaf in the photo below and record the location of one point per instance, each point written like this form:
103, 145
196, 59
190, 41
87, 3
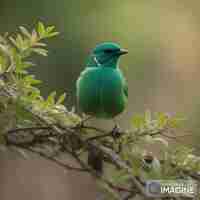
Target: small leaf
138, 121
40, 51
40, 44
20, 41
52, 34
13, 41
50, 29
27, 65
162, 119
41, 29
51, 98
25, 32
61, 99
30, 80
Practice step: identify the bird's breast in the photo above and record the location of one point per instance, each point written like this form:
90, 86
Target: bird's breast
100, 92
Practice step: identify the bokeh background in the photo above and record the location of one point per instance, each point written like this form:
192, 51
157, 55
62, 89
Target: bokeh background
162, 69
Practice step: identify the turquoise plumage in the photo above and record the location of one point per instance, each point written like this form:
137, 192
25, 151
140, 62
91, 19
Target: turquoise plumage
102, 90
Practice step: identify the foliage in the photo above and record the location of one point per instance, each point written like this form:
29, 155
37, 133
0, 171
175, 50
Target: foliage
45, 126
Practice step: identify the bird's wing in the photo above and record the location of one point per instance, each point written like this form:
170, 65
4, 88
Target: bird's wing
125, 88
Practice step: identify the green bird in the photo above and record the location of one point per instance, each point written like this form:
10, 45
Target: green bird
102, 89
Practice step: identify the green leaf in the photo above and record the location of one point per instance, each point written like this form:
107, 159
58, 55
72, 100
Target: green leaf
41, 29
3, 63
25, 32
51, 98
27, 65
30, 80
61, 99
50, 29
138, 121
21, 113
40, 44
162, 119
40, 51
20, 41
52, 34
13, 41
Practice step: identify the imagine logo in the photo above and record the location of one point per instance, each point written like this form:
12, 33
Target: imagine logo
172, 188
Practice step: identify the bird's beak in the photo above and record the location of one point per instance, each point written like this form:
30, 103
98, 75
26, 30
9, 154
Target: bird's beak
123, 51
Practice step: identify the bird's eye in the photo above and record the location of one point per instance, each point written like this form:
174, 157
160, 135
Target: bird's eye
109, 50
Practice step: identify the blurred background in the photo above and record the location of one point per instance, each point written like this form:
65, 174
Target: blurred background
162, 70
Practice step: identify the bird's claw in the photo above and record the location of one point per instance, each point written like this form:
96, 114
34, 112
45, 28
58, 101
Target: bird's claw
116, 133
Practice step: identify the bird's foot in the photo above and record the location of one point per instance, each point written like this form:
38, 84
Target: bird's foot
116, 133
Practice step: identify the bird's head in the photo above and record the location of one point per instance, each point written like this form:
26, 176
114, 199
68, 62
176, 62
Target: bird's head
105, 55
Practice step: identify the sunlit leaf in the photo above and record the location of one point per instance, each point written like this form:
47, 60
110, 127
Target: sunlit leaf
19, 41
51, 98
40, 51
61, 99
52, 34
41, 29
138, 121
13, 41
25, 32
50, 29
40, 44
